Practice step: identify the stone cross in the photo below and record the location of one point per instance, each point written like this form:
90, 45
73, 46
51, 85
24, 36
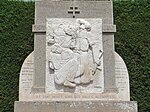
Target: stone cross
74, 10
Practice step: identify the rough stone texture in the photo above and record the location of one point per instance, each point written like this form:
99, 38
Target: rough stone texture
122, 78
26, 80
76, 106
26, 77
105, 29
39, 66
88, 9
109, 62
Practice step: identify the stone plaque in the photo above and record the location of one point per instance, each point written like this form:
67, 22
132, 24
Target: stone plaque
26, 78
74, 55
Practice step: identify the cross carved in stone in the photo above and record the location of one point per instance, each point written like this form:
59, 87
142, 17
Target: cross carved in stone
74, 10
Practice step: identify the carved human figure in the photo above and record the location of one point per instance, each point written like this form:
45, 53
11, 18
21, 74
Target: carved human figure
89, 58
75, 54
64, 35
64, 64
81, 51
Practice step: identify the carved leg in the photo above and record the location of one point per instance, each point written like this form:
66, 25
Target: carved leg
67, 72
87, 76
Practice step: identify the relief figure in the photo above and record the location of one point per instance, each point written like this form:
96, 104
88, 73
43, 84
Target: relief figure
75, 55
64, 64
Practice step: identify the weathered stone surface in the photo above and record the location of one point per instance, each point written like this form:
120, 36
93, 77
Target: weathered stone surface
84, 9
122, 79
74, 55
74, 66
76, 106
26, 77
88, 9
105, 28
26, 80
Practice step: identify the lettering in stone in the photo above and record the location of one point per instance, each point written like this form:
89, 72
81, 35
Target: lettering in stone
73, 96
27, 72
121, 77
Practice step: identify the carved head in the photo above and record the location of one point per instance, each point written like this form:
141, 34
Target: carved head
84, 24
70, 30
56, 48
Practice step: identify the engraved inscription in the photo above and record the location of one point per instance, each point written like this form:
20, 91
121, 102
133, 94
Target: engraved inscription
27, 72
122, 78
26, 76
74, 96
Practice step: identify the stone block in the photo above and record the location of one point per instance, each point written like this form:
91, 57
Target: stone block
76, 106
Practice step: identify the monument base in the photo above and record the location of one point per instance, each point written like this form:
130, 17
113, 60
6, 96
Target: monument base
76, 106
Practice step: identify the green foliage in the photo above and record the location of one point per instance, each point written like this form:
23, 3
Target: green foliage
132, 42
16, 42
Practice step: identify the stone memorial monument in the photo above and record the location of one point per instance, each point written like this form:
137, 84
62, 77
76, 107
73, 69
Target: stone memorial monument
74, 67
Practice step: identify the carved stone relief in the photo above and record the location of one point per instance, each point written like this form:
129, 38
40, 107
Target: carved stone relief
74, 54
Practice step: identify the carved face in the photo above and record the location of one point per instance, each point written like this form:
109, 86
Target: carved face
56, 48
84, 24
59, 31
70, 30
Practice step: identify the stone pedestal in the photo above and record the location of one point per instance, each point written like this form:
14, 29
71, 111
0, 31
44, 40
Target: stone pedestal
76, 106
